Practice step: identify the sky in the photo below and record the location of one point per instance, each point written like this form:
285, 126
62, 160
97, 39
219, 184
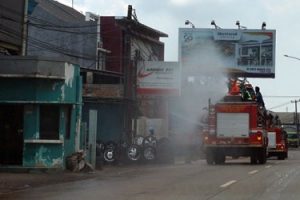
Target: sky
169, 15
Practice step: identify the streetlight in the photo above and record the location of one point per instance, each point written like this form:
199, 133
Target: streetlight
213, 23
239, 25
188, 22
292, 57
263, 26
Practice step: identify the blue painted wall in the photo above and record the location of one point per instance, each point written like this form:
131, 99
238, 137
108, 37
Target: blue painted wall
110, 120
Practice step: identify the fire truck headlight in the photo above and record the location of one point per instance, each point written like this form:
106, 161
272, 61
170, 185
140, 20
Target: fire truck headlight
258, 138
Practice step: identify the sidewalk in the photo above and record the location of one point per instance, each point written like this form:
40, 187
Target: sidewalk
12, 182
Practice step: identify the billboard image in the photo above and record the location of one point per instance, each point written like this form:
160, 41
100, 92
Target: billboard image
158, 78
247, 53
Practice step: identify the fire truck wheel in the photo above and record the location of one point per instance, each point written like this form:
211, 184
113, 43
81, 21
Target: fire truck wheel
262, 156
209, 157
281, 156
253, 159
220, 158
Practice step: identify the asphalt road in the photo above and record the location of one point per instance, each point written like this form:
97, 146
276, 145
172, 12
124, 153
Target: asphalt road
236, 179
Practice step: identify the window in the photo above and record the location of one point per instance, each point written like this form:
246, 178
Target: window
49, 122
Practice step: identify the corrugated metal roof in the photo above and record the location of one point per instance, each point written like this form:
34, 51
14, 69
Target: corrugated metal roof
61, 11
139, 26
11, 24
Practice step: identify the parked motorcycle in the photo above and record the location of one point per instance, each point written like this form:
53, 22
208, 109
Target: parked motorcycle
110, 152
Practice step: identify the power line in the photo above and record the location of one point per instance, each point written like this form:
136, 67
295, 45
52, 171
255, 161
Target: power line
64, 31
35, 42
47, 25
50, 47
275, 96
281, 105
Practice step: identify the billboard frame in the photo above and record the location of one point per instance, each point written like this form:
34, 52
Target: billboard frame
252, 51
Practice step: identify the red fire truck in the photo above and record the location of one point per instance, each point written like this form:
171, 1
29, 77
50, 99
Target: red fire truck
236, 127
277, 142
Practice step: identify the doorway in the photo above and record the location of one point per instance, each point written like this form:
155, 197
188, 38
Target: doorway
11, 134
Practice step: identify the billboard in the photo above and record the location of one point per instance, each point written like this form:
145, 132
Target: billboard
158, 78
246, 53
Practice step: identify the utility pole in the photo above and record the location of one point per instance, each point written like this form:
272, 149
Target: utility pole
296, 115
127, 80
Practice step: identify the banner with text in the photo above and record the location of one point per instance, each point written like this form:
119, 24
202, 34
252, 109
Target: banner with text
158, 78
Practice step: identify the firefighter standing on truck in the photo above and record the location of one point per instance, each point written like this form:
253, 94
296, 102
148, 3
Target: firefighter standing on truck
259, 98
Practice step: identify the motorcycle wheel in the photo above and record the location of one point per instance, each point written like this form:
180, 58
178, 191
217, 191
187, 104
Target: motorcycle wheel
150, 141
149, 153
134, 152
109, 155
138, 140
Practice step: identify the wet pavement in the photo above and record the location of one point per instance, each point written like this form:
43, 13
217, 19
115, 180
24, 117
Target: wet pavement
236, 179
